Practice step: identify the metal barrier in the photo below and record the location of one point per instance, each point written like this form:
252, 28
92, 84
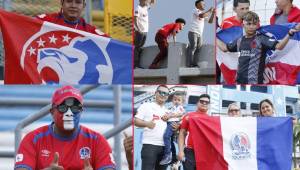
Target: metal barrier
117, 120
118, 19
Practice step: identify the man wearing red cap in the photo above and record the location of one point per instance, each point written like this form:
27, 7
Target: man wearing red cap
64, 144
70, 16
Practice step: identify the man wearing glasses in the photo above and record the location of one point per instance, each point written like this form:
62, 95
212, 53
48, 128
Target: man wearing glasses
64, 144
150, 117
186, 154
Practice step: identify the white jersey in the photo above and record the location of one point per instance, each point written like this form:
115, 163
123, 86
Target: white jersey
141, 14
148, 112
176, 109
197, 24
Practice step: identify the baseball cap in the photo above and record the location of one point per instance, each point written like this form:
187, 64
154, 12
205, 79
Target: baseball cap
65, 92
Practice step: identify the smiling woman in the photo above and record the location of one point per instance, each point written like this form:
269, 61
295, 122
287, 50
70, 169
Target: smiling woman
266, 108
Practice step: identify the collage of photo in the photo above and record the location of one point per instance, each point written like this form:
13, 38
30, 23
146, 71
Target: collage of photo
150, 84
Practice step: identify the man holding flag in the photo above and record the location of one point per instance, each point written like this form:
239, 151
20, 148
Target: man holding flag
253, 48
70, 16
187, 154
62, 49
240, 7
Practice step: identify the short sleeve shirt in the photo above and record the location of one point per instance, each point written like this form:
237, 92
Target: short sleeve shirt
176, 109
151, 111
197, 24
186, 125
57, 18
38, 147
230, 22
168, 29
141, 14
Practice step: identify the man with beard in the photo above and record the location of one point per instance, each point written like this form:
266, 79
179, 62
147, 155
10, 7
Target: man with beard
150, 116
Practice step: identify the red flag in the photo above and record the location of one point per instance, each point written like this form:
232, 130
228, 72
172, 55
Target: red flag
210, 156
18, 31
222, 143
41, 52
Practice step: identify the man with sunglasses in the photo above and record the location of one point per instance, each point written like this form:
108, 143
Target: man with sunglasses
186, 154
64, 144
150, 117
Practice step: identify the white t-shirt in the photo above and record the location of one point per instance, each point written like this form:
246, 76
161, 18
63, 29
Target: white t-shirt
176, 109
197, 24
141, 14
152, 111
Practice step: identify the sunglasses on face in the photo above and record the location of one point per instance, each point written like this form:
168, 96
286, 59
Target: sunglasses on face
234, 110
162, 93
63, 108
204, 102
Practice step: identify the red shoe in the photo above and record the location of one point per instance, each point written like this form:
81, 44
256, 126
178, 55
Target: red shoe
154, 66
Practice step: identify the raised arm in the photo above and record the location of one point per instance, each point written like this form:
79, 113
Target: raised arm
212, 16
206, 14
280, 45
152, 2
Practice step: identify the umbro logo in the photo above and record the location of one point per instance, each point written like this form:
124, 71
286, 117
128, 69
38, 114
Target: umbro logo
45, 153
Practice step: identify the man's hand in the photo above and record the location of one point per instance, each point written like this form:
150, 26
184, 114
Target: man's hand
54, 165
214, 11
165, 117
151, 124
128, 143
297, 27
181, 156
212, 15
292, 31
128, 146
87, 165
152, 2
175, 126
